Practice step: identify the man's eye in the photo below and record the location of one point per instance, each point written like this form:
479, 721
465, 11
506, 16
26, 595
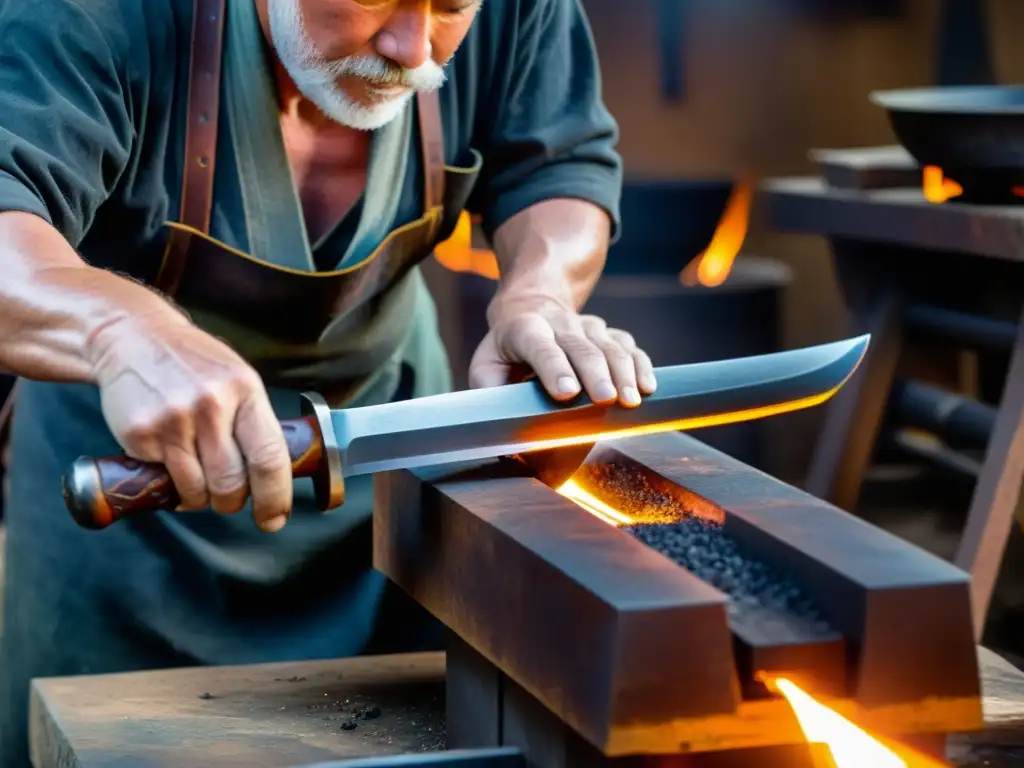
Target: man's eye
454, 9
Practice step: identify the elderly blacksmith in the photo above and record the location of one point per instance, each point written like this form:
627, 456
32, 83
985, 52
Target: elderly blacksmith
209, 206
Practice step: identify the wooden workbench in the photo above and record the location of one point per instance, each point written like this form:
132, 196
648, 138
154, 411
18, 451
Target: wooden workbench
289, 715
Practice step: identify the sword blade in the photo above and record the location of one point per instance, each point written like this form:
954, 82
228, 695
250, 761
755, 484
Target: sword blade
486, 423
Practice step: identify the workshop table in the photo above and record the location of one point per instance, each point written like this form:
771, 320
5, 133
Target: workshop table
298, 714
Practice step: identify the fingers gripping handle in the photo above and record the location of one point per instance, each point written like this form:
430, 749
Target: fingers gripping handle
99, 492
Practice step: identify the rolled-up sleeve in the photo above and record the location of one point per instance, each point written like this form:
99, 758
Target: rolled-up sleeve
65, 120
552, 135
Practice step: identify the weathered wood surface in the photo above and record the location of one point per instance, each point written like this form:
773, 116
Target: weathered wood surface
262, 716
997, 494
1001, 743
897, 216
283, 716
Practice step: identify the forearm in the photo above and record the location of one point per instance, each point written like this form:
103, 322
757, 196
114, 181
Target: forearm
553, 251
52, 304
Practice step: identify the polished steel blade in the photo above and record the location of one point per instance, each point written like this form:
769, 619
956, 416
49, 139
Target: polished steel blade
485, 423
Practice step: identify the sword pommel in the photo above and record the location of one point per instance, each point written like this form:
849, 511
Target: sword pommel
100, 492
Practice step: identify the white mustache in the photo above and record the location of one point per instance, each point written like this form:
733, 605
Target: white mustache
380, 71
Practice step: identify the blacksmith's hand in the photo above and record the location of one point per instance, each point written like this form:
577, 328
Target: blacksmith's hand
175, 395
550, 256
565, 349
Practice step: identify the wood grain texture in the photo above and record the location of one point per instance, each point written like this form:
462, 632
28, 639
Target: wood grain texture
578, 613
100, 492
997, 493
262, 716
273, 716
897, 216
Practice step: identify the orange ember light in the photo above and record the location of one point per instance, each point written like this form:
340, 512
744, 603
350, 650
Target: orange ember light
851, 746
937, 188
572, 491
541, 443
458, 254
712, 267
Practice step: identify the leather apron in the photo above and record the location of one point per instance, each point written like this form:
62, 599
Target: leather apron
300, 327
200, 588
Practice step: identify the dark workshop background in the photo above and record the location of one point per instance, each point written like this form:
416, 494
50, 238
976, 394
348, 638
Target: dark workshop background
763, 82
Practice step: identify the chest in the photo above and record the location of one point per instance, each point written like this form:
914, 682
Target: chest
329, 168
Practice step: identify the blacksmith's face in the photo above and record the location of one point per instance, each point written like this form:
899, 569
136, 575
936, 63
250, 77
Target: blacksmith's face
360, 61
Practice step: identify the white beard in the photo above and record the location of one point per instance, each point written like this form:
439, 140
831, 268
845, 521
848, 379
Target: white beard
317, 78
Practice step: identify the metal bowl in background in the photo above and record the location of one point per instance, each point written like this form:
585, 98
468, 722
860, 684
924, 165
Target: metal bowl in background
975, 134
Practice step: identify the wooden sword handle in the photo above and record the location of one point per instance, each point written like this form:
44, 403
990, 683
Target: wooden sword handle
100, 492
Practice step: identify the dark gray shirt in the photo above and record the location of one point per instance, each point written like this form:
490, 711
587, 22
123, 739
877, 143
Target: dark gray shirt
92, 119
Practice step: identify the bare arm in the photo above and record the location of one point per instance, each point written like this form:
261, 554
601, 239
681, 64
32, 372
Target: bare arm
554, 250
171, 393
550, 257
53, 305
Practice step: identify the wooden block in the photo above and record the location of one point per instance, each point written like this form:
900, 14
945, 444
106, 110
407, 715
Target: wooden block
906, 614
262, 716
267, 716
500, 757
868, 167
588, 620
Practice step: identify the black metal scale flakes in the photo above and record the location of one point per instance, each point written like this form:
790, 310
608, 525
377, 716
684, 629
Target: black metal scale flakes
704, 549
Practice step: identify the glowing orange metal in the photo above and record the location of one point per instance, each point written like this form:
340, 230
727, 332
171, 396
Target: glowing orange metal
684, 425
572, 491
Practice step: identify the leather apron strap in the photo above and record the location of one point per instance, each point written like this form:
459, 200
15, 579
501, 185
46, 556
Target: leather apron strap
203, 113
203, 117
432, 141
205, 74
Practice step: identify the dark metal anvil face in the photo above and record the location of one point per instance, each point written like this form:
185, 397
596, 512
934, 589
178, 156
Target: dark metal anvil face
637, 653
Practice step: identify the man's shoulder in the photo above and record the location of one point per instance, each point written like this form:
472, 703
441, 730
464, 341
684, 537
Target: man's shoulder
514, 15
124, 25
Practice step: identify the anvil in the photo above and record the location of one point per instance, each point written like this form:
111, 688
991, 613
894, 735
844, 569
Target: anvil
518, 420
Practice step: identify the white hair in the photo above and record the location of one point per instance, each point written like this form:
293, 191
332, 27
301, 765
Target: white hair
317, 78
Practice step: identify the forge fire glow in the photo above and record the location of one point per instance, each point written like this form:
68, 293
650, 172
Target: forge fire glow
936, 187
572, 491
850, 745
712, 267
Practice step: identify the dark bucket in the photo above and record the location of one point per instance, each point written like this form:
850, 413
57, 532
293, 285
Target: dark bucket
665, 224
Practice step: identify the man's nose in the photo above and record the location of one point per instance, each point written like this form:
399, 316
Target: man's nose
405, 38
